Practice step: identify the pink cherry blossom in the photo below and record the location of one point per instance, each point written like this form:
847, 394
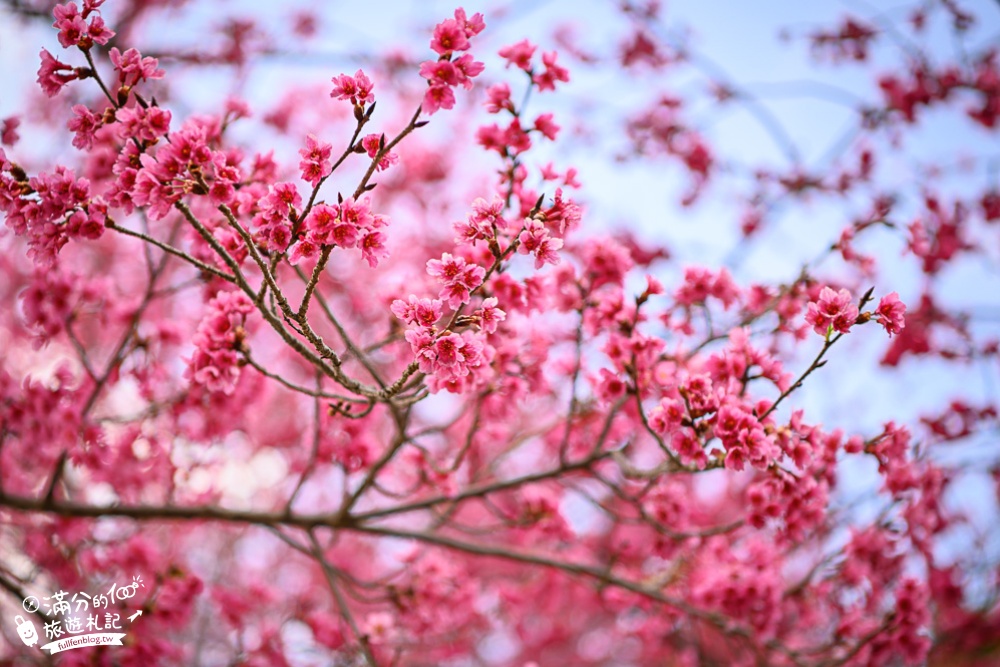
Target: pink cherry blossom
230, 386
518, 54
357, 89
832, 309
890, 313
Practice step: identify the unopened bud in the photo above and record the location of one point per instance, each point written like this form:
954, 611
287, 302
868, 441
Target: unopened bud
123, 93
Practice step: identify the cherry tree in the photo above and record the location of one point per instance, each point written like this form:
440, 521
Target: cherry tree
355, 364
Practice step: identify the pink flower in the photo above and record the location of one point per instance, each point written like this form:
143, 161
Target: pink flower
439, 72
490, 316
446, 269
449, 349
380, 628
472, 26
518, 54
357, 88
701, 283
98, 31
449, 36
214, 364
489, 212
480, 224
422, 344
459, 278
84, 125
372, 144
344, 235
304, 249
132, 67
143, 124
553, 72
8, 130
373, 248
52, 74
535, 240
71, 26
609, 387
492, 138
315, 164
357, 212
422, 312
438, 97
515, 138
467, 69
667, 416
835, 309
890, 313
498, 98
283, 196
546, 126
320, 223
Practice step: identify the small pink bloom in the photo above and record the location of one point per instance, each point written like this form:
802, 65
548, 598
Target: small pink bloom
98, 31
467, 69
8, 131
53, 74
553, 72
357, 88
449, 36
132, 67
890, 313
304, 249
490, 316
315, 164
422, 312
438, 97
834, 309
498, 98
372, 144
609, 387
472, 25
518, 54
439, 72
373, 248
546, 126
84, 125
449, 349
535, 240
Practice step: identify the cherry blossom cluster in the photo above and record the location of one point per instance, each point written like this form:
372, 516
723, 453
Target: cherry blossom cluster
218, 341
50, 209
514, 440
349, 224
315, 164
74, 28
458, 362
449, 71
836, 311
355, 89
521, 54
273, 214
